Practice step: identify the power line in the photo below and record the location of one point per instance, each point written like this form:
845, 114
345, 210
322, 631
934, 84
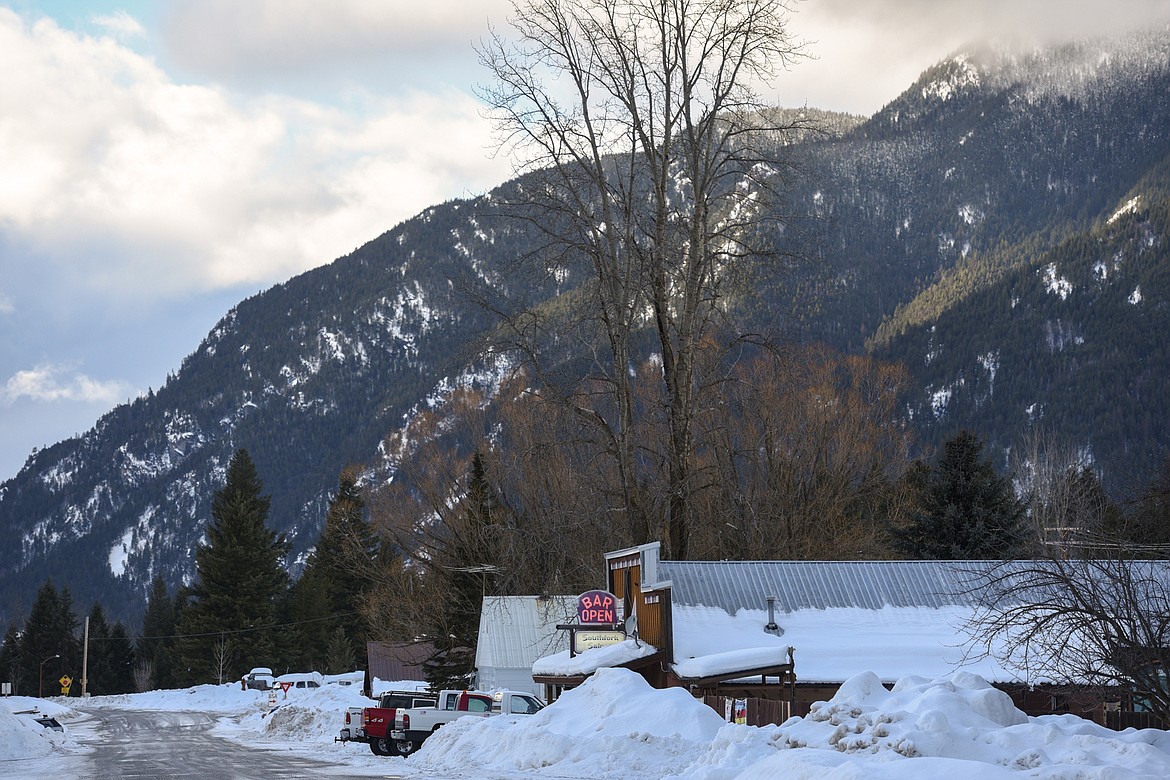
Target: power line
251, 629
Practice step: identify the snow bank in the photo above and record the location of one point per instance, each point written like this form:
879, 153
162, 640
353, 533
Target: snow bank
958, 727
310, 715
216, 699
614, 723
22, 737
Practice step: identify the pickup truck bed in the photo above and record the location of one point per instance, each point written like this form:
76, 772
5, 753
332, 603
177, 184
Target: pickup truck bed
372, 724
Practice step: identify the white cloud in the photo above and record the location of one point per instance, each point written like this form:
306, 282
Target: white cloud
867, 53
121, 25
61, 383
132, 184
229, 38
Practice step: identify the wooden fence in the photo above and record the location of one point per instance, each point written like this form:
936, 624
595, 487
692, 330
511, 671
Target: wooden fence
759, 712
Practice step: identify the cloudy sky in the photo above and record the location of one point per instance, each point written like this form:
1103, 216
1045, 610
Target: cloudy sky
161, 160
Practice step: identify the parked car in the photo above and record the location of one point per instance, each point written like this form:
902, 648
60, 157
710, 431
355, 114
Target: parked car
372, 724
259, 679
301, 679
515, 703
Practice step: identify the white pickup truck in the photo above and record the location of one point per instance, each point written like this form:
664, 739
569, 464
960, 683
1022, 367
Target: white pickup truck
412, 726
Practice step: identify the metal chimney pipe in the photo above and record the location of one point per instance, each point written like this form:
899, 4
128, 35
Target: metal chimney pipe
772, 626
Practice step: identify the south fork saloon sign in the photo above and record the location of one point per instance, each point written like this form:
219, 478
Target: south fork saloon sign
598, 623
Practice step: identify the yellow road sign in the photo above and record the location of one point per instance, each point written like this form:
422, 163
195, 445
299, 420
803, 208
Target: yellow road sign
65, 681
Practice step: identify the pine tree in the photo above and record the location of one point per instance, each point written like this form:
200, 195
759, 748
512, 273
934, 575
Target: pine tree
49, 647
1150, 521
465, 565
309, 613
101, 664
122, 660
339, 655
332, 590
966, 510
227, 622
156, 645
111, 656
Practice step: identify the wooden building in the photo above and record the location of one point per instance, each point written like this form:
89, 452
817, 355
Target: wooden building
793, 631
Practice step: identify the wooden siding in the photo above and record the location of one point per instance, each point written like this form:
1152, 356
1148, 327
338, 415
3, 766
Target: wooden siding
625, 581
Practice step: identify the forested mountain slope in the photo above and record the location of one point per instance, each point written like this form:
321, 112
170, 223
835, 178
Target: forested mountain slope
979, 227
1072, 341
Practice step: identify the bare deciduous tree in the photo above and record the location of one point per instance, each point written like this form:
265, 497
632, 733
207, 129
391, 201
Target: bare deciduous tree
804, 458
143, 675
221, 658
641, 128
1101, 622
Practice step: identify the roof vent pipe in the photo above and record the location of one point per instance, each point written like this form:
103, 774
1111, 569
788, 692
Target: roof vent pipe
772, 627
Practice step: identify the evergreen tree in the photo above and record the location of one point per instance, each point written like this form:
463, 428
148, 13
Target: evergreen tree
465, 564
332, 590
122, 660
965, 509
339, 655
1150, 520
111, 656
308, 611
101, 665
156, 645
227, 624
49, 647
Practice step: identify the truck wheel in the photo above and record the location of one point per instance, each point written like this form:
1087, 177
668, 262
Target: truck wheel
406, 747
375, 748
383, 747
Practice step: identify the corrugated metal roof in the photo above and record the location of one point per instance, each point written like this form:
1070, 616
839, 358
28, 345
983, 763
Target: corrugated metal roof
735, 585
514, 631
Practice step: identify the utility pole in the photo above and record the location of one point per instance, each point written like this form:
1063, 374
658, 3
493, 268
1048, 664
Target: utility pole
85, 659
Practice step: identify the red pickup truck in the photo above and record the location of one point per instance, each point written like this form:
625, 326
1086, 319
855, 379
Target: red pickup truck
372, 724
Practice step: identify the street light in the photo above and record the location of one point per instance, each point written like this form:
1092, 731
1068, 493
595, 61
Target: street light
41, 681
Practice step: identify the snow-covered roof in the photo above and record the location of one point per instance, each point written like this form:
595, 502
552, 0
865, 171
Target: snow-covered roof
841, 617
796, 585
564, 664
831, 645
516, 630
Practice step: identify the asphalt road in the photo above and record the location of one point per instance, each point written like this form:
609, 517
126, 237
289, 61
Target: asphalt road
169, 746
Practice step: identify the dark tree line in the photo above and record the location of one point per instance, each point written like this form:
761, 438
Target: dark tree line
51, 647
240, 611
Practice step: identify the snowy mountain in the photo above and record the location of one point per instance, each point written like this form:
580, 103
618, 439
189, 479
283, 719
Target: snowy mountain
1001, 228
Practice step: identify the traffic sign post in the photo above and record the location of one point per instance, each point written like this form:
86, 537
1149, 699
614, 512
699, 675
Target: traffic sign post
65, 681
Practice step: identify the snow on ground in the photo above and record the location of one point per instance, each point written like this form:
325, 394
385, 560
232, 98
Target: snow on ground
615, 725
21, 736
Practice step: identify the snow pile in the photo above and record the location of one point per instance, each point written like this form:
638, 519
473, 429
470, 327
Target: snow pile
21, 736
226, 699
957, 726
918, 717
306, 715
614, 723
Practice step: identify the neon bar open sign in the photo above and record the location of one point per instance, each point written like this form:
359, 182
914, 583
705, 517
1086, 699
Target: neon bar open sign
597, 607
